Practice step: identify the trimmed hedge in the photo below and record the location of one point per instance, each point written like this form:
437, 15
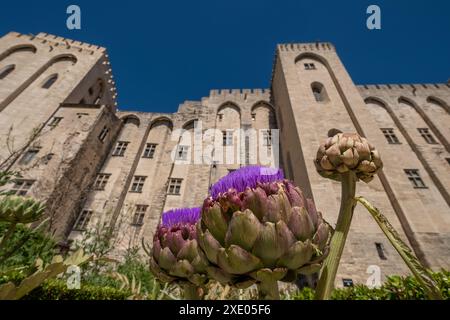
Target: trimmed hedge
57, 290
394, 288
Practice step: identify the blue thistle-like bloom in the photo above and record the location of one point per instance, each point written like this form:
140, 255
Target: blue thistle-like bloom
246, 177
180, 216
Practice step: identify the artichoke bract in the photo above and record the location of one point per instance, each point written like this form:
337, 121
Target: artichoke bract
16, 209
176, 256
257, 226
347, 152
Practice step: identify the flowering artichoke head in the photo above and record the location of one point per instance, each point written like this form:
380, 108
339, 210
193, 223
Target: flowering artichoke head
256, 225
345, 152
175, 255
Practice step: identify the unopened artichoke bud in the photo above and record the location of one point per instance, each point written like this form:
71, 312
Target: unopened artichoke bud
176, 255
15, 209
257, 225
347, 152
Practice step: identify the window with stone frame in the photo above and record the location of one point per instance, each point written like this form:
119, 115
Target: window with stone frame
182, 153
227, 137
174, 187
21, 187
149, 151
138, 183
309, 66
83, 220
101, 181
139, 214
267, 138
121, 147
55, 121
414, 176
103, 134
425, 133
390, 135
29, 155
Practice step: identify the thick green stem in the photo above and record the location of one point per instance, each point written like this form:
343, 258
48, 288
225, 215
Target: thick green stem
192, 292
331, 264
268, 290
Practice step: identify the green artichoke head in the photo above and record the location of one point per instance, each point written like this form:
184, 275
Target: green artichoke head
266, 230
176, 256
345, 152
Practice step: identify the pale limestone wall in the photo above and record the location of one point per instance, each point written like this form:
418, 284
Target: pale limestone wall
307, 122
24, 104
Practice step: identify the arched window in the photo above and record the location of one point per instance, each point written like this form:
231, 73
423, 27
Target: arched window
50, 81
5, 71
320, 94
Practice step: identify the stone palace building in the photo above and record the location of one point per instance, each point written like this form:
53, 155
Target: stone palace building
97, 166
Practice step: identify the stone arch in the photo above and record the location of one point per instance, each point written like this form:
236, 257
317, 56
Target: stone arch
272, 121
131, 119
319, 91
438, 101
6, 70
426, 119
189, 125
18, 48
229, 104
162, 121
49, 81
56, 59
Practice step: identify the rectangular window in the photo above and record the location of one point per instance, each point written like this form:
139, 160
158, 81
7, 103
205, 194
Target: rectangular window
227, 137
103, 134
380, 250
390, 135
182, 153
347, 282
101, 181
139, 214
174, 186
29, 155
267, 138
120, 149
21, 187
309, 66
425, 133
149, 151
55, 121
138, 184
83, 220
414, 177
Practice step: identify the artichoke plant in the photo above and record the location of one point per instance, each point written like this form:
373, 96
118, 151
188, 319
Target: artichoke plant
15, 209
175, 255
257, 227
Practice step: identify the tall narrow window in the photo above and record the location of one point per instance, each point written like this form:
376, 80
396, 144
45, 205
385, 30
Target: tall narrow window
138, 183
55, 121
380, 250
101, 181
220, 116
149, 151
50, 81
267, 138
390, 136
21, 187
182, 153
5, 71
103, 134
425, 133
227, 137
414, 177
174, 186
29, 155
319, 92
139, 214
83, 220
121, 147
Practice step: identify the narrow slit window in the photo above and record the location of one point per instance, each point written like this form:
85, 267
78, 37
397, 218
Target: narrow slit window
50, 81
380, 250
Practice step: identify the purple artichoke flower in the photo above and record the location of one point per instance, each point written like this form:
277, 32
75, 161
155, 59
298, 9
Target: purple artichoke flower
176, 255
259, 226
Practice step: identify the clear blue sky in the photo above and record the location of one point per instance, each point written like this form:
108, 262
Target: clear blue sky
165, 52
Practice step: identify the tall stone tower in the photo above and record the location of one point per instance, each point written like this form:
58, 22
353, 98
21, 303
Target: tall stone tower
312, 93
